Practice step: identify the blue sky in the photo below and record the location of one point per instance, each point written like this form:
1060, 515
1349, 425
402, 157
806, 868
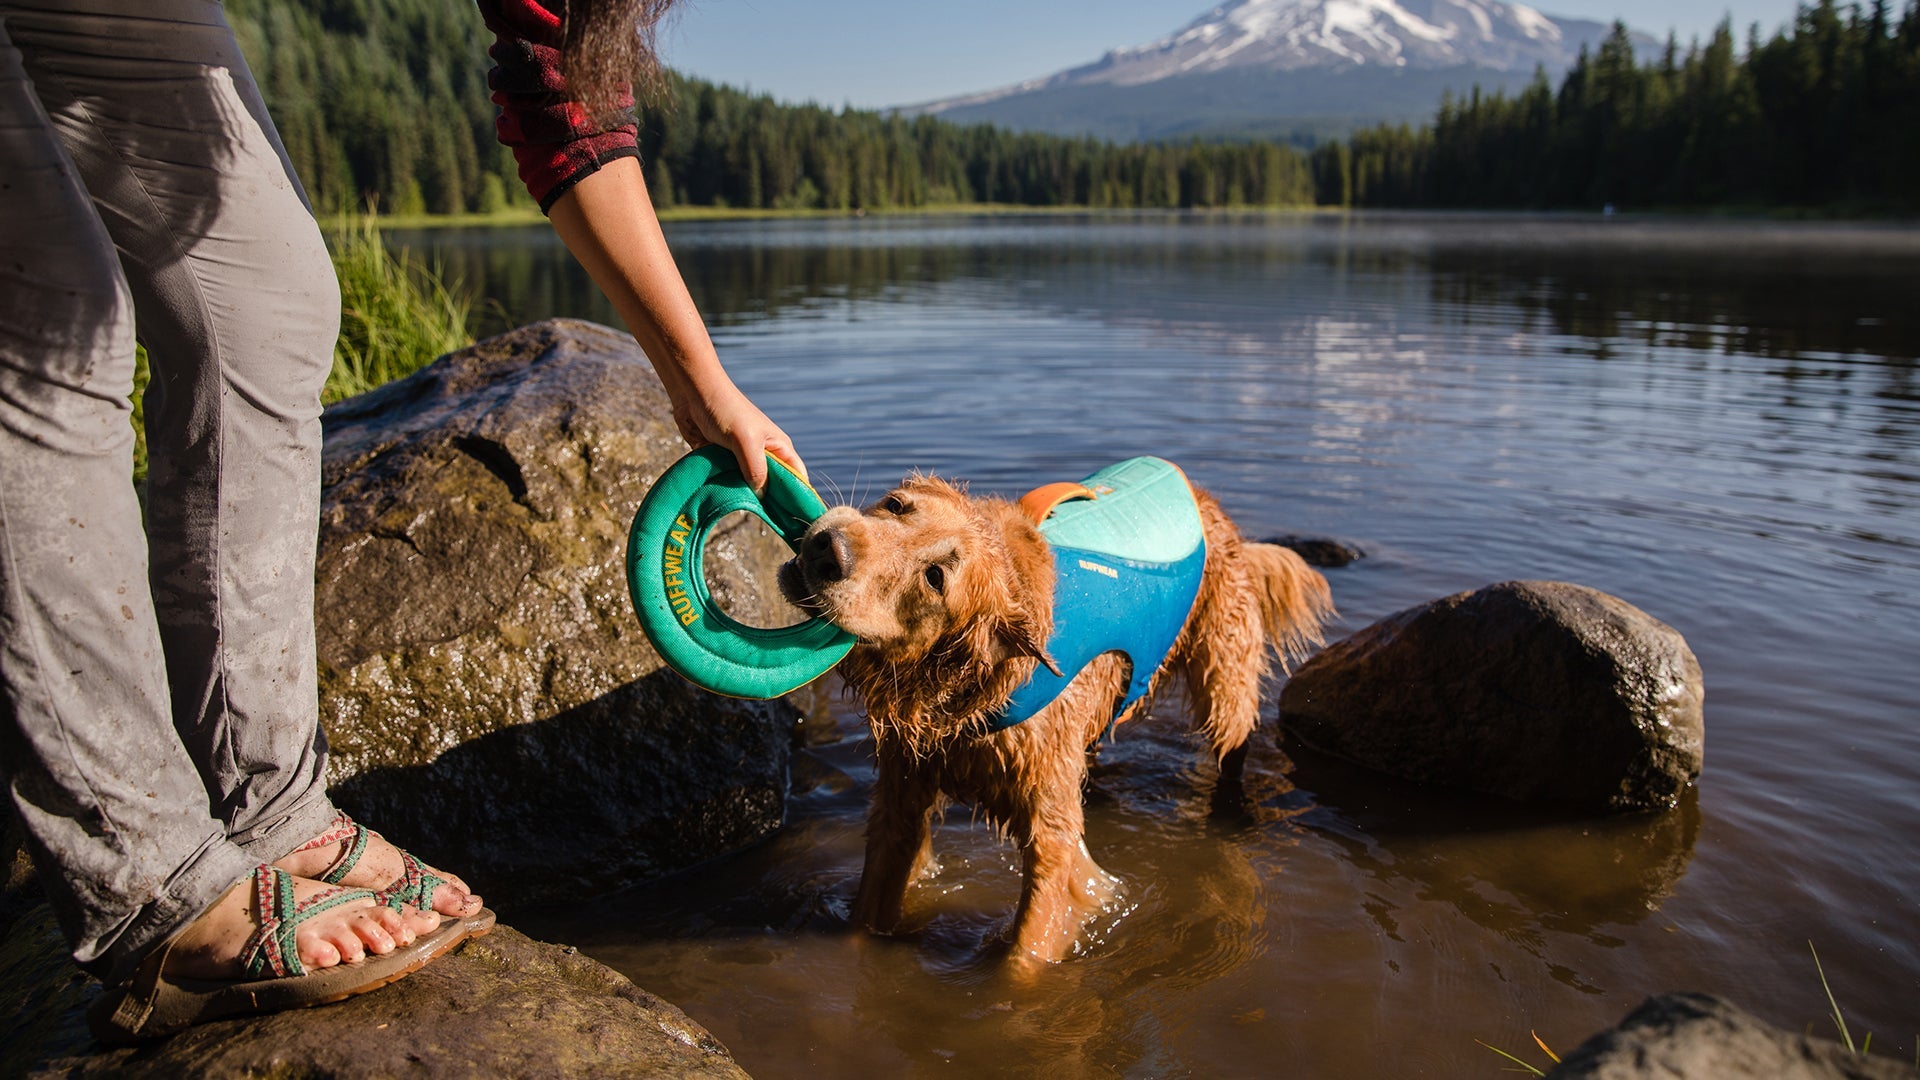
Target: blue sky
873, 53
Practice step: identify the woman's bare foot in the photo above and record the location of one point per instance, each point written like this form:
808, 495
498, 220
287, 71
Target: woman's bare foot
380, 866
209, 948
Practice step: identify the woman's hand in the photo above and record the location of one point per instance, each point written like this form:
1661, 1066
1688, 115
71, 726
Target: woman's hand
607, 221
725, 417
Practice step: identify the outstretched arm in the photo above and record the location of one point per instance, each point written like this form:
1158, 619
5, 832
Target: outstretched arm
607, 221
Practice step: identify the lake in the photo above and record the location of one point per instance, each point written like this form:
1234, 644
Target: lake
1716, 421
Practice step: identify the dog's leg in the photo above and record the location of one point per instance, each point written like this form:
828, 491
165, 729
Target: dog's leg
899, 841
1225, 656
1062, 887
1252, 596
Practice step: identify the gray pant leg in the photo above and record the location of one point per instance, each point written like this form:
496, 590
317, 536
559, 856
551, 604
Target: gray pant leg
112, 804
236, 301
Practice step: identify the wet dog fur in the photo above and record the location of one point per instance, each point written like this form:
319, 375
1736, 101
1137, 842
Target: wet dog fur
951, 598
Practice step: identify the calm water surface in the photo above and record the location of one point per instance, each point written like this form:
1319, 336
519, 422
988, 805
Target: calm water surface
1718, 422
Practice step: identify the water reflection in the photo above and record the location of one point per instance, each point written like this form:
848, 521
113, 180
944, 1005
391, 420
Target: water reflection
1516, 871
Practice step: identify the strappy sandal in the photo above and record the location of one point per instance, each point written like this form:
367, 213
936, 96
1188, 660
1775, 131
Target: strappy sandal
414, 886
154, 1004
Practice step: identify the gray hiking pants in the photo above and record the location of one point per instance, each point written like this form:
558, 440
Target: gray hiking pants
159, 731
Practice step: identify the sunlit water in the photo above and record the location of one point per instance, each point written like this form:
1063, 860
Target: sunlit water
1717, 422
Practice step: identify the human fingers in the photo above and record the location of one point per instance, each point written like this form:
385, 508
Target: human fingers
782, 447
751, 454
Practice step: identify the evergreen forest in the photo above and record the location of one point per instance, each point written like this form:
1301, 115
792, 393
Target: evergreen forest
385, 102
1823, 115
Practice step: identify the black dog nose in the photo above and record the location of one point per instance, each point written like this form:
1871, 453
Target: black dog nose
827, 555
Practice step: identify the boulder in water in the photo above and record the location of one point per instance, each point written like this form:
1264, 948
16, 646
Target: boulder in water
1535, 690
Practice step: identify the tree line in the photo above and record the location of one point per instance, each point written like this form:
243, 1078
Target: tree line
385, 101
1825, 114
716, 146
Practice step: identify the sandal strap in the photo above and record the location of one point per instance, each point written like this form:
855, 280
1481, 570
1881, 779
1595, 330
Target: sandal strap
271, 949
414, 887
352, 835
340, 828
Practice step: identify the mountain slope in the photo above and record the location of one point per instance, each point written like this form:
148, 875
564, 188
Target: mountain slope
1267, 67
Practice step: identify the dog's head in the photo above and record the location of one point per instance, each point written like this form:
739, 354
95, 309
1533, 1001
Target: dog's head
951, 598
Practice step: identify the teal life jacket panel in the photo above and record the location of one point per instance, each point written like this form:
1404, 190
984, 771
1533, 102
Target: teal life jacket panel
1128, 553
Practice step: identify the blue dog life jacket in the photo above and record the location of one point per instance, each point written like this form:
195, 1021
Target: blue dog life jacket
1128, 551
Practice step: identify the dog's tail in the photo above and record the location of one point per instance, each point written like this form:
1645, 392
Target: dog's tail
1295, 601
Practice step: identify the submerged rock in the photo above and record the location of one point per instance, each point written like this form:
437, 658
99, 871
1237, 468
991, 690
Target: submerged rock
501, 1005
1320, 551
1696, 1035
487, 694
1533, 690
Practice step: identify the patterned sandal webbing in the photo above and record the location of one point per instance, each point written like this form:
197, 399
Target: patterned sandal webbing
270, 951
413, 887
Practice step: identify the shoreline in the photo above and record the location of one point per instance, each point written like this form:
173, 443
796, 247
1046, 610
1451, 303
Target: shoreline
520, 216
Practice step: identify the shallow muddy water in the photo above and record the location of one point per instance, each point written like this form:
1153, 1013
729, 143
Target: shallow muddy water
1718, 422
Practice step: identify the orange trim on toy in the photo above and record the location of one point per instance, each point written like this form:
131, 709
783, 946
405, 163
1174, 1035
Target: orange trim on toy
1038, 504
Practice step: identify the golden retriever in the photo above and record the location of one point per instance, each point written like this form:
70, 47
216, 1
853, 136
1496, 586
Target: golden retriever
951, 599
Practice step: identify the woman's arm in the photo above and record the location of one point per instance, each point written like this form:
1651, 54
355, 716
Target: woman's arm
607, 221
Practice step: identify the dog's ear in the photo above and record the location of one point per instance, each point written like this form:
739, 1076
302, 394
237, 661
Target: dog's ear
1018, 638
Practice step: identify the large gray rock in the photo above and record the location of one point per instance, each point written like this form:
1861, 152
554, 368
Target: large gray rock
1533, 690
1699, 1037
486, 691
502, 1005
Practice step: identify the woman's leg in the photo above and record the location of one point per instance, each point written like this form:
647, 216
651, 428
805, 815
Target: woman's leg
113, 807
236, 301
237, 304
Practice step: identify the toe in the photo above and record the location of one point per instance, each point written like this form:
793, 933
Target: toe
347, 941
373, 935
420, 922
317, 952
454, 899
396, 926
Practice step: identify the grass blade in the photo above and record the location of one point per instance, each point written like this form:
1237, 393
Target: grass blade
1838, 1020
1510, 1057
1542, 1044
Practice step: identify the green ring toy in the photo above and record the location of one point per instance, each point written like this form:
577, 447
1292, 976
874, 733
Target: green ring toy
665, 548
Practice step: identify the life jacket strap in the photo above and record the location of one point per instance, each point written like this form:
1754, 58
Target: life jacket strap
1038, 504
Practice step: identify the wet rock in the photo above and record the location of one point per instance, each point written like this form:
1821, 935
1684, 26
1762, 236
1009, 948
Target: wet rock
502, 1005
1695, 1035
1320, 551
487, 694
1537, 691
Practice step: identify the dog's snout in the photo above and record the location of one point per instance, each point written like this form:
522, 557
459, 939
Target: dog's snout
827, 555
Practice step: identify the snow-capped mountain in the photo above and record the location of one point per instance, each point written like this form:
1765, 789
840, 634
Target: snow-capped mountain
1409, 47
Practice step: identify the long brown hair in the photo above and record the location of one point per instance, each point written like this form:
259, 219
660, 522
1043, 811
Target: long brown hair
609, 48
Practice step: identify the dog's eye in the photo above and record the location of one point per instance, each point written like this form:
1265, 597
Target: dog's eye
937, 578
894, 504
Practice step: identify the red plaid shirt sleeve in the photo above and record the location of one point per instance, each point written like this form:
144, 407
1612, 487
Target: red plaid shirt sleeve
555, 142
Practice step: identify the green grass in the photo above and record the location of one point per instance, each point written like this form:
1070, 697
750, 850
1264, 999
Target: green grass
512, 215
397, 315
1840, 1022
